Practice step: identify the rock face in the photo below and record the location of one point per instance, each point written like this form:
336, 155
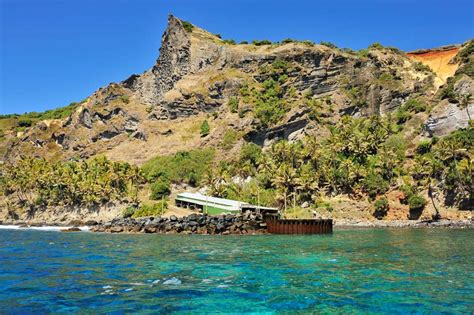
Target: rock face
172, 65
247, 223
447, 119
448, 116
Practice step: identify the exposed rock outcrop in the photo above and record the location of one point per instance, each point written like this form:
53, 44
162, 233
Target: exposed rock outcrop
448, 116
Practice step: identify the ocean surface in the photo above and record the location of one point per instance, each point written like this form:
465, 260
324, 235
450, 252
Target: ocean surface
357, 271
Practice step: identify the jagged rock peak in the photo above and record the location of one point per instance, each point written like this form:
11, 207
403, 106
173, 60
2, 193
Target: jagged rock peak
184, 50
175, 39
172, 64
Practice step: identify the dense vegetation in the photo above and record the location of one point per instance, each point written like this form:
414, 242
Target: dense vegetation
362, 157
183, 167
35, 182
268, 99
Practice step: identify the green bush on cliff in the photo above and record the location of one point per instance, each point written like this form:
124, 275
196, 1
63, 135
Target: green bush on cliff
415, 105
376, 46
423, 147
288, 40
374, 184
233, 104
187, 26
328, 44
270, 106
229, 139
380, 207
205, 129
25, 123
261, 42
421, 67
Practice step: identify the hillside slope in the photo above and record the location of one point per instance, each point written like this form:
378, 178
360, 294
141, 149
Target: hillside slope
197, 74
260, 93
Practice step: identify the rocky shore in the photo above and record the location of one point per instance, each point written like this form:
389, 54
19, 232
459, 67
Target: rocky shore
247, 223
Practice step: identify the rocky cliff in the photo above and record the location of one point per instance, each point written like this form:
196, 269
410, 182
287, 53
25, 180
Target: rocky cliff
196, 75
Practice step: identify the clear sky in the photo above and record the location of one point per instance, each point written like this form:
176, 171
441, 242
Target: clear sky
53, 52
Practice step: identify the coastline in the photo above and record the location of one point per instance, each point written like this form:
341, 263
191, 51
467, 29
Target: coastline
338, 225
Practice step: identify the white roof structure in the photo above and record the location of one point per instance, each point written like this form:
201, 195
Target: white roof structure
225, 204
219, 203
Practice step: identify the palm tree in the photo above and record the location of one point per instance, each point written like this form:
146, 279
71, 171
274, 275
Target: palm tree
465, 102
284, 181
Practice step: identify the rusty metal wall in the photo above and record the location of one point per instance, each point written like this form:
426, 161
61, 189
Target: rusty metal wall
303, 226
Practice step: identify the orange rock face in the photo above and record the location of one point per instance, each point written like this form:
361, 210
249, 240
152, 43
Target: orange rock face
440, 61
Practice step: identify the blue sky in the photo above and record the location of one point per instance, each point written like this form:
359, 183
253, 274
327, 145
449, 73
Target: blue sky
53, 52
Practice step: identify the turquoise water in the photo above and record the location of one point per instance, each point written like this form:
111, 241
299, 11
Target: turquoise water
359, 271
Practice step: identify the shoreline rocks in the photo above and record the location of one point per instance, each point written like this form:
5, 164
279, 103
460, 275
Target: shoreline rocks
247, 223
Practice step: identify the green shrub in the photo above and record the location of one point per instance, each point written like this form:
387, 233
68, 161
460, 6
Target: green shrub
183, 167
374, 184
233, 104
151, 210
416, 202
279, 64
24, 123
128, 212
250, 152
380, 207
218, 35
328, 44
395, 50
160, 188
423, 147
308, 43
125, 99
415, 105
187, 26
408, 191
261, 42
376, 46
402, 115
270, 107
356, 95
363, 53
205, 129
229, 41
288, 40
419, 66
397, 144
244, 42
466, 53
386, 77
447, 91
229, 139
